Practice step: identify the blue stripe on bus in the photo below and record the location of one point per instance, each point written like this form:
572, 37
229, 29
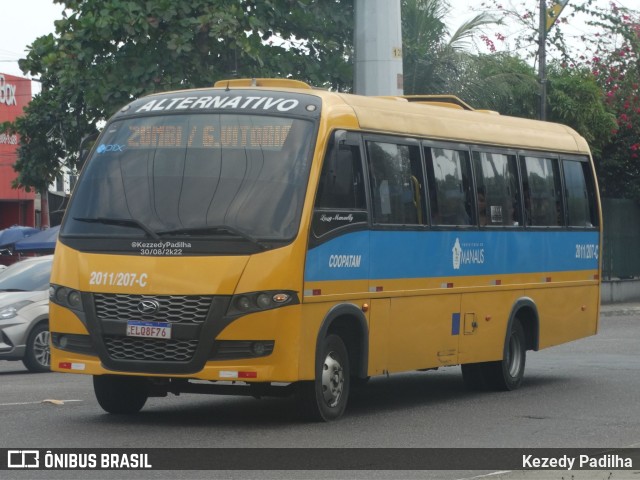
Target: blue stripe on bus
412, 254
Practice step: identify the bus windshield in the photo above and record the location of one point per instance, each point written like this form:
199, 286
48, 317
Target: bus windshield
198, 175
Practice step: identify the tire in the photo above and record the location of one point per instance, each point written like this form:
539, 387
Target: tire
37, 357
507, 374
120, 394
473, 376
358, 382
325, 398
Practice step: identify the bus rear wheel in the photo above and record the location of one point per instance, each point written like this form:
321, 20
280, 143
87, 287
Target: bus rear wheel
325, 398
507, 374
120, 394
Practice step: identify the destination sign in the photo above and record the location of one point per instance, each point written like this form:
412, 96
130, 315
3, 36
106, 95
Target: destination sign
208, 136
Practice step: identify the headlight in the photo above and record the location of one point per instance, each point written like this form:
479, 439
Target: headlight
66, 297
263, 301
259, 301
11, 311
242, 303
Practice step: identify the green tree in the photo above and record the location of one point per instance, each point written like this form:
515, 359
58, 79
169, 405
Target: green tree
104, 53
575, 99
615, 64
438, 63
594, 87
500, 82
433, 58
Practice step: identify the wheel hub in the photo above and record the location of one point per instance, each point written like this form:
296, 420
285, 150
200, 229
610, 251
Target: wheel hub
332, 380
41, 350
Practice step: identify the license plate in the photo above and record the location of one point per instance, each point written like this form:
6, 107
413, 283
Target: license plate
148, 329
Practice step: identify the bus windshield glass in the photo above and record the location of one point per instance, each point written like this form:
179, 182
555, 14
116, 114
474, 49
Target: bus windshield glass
198, 175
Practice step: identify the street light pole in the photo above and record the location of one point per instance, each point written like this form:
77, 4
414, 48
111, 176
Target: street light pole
542, 60
378, 47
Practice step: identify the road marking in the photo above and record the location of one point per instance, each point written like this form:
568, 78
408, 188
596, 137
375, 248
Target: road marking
36, 403
500, 472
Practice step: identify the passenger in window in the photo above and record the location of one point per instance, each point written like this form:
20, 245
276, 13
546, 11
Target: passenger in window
545, 213
452, 210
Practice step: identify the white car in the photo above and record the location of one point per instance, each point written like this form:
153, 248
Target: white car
24, 313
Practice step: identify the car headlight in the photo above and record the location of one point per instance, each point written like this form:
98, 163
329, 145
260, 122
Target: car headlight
11, 311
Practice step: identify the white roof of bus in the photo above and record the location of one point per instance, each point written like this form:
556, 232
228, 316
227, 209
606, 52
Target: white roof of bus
395, 115
437, 122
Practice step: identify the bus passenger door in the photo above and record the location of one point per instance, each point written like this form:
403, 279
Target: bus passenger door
411, 333
379, 331
417, 332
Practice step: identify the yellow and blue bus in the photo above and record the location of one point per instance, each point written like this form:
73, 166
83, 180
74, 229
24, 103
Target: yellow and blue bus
265, 238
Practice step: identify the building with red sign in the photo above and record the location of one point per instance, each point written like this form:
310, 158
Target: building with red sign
17, 207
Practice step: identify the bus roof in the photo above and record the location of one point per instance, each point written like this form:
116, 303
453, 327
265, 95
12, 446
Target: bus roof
437, 117
453, 124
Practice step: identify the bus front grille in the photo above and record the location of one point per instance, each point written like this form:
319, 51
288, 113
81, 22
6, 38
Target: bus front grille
135, 349
171, 308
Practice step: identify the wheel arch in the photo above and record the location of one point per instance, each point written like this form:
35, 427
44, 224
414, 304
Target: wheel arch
39, 320
525, 310
349, 322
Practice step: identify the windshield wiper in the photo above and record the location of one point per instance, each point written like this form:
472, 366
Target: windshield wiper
215, 229
13, 290
123, 222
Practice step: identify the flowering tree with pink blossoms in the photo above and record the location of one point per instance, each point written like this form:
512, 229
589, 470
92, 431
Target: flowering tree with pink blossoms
607, 55
614, 59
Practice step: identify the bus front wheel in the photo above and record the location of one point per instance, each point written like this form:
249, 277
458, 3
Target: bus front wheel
120, 394
325, 398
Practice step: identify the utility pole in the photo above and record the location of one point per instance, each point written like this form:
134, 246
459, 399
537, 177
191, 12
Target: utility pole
548, 18
44, 209
542, 60
378, 47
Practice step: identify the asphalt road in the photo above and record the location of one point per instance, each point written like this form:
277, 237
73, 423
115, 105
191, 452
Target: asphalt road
583, 394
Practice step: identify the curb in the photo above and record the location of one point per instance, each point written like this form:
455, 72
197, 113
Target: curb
620, 310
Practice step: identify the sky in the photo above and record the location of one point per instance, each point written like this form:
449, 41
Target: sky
462, 10
23, 21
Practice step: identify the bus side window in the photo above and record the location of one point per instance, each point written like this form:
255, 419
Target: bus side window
341, 181
396, 183
451, 198
498, 192
340, 200
581, 211
542, 192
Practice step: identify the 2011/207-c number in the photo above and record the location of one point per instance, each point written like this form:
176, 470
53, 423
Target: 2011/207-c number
118, 279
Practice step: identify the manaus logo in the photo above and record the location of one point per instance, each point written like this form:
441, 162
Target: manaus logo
467, 253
